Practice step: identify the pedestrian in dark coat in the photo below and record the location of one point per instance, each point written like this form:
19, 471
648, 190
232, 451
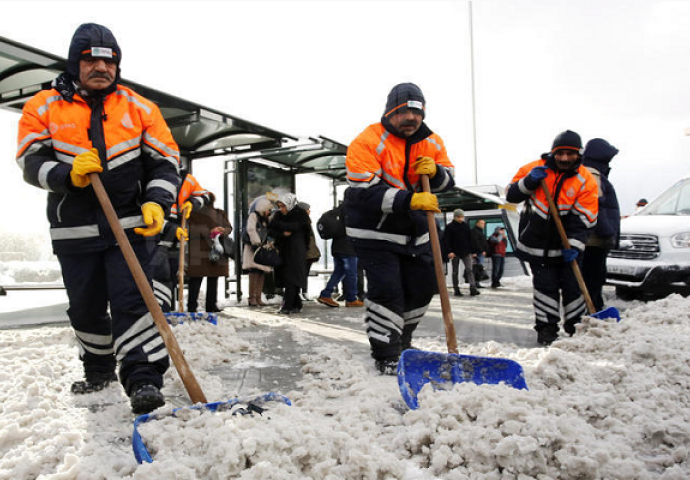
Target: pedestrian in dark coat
202, 224
457, 247
480, 246
291, 226
597, 156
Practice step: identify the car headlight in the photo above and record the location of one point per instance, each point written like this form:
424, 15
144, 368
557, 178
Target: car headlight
681, 240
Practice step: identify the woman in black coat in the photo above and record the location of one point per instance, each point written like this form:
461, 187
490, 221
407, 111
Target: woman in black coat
291, 226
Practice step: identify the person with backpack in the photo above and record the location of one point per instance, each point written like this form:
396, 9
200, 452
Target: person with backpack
255, 232
344, 260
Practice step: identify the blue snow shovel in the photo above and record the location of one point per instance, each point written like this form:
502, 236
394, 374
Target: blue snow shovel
610, 312
236, 406
416, 368
179, 317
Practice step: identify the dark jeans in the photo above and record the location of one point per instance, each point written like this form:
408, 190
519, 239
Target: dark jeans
345, 269
497, 265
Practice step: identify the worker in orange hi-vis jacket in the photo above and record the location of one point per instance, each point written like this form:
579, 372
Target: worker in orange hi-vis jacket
385, 219
574, 191
165, 262
88, 123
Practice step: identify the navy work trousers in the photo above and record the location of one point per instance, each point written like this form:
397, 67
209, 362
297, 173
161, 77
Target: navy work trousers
98, 280
556, 289
399, 290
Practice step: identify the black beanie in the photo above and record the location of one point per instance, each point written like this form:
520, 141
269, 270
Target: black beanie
567, 140
404, 95
87, 36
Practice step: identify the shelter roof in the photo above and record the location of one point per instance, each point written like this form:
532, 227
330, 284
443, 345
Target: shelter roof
199, 131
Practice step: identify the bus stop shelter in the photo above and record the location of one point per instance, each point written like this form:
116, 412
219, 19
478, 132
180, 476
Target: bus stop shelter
256, 158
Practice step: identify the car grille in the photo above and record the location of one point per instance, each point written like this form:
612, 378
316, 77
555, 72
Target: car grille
637, 247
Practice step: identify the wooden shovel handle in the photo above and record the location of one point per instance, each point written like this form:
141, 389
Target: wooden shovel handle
566, 244
188, 379
451, 339
180, 266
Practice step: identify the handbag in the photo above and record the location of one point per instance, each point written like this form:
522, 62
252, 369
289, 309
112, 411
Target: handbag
228, 245
268, 254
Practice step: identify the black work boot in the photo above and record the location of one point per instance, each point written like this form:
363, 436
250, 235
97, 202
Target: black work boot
569, 326
145, 397
474, 292
457, 292
93, 382
546, 334
387, 366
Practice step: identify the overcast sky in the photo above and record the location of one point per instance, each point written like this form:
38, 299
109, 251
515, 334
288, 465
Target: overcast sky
616, 70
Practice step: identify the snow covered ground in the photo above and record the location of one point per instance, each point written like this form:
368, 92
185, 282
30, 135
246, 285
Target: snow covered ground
613, 402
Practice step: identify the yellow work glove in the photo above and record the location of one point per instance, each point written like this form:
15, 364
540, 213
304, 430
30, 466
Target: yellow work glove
153, 217
85, 163
425, 166
182, 233
187, 209
424, 201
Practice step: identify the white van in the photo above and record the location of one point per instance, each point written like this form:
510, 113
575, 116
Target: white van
654, 254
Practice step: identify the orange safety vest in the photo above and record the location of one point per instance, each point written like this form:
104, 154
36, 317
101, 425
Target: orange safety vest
190, 190
575, 196
376, 153
139, 156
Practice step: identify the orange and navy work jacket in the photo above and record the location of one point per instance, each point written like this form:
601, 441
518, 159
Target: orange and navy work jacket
575, 195
199, 197
140, 162
192, 191
381, 180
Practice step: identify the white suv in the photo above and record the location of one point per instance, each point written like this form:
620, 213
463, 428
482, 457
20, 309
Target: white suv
654, 254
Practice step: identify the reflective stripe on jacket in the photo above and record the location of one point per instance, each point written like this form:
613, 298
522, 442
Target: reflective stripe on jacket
575, 195
381, 177
139, 156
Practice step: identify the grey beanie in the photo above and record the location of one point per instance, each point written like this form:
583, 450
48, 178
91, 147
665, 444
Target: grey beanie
458, 212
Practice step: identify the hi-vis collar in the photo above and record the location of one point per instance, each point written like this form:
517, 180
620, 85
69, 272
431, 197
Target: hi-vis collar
100, 52
409, 104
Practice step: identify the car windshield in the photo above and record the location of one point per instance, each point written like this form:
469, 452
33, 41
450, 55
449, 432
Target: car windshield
674, 201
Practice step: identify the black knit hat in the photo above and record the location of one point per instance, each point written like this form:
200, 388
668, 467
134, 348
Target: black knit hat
404, 96
91, 39
567, 140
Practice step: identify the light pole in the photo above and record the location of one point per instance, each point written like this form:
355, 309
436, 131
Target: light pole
474, 113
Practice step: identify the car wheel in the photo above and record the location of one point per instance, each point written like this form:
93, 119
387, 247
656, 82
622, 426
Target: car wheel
626, 293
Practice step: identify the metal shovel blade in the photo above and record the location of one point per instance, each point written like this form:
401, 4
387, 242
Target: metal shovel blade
610, 312
416, 368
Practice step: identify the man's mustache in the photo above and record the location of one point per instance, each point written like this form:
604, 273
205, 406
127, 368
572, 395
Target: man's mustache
408, 123
102, 75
